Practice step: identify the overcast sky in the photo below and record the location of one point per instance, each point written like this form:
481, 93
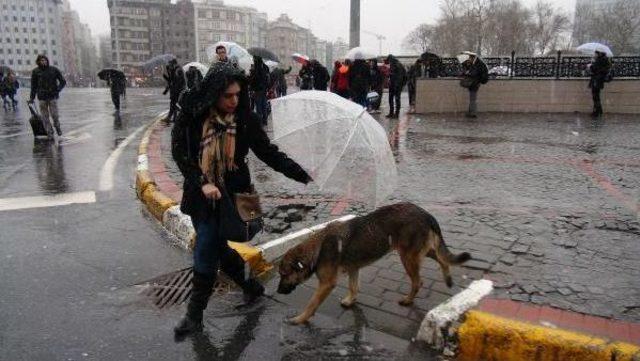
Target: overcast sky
328, 19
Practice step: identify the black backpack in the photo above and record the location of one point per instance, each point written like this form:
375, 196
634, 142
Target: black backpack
484, 76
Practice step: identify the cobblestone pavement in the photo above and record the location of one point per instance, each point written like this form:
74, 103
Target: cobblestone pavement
547, 205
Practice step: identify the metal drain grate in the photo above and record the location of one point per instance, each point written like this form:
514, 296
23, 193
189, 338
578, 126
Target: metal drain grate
174, 288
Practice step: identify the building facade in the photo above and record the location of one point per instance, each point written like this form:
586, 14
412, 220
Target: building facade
215, 21
29, 28
78, 47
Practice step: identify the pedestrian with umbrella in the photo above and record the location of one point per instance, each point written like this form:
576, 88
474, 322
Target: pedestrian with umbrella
117, 84
306, 76
320, 75
210, 141
259, 84
600, 71
475, 73
176, 83
280, 81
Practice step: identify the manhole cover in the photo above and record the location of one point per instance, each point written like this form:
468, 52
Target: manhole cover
174, 288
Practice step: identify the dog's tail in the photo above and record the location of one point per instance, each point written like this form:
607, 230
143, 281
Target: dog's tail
443, 250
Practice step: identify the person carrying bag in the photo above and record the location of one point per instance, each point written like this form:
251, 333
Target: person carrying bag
212, 135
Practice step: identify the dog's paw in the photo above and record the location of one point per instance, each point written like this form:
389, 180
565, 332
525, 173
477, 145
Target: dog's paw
405, 302
296, 320
347, 302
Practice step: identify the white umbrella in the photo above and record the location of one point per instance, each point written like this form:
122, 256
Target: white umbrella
302, 59
591, 48
233, 50
344, 149
203, 69
271, 64
360, 53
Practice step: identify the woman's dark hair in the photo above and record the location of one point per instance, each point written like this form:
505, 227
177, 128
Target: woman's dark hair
197, 102
220, 47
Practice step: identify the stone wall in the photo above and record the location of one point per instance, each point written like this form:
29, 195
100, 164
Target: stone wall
527, 95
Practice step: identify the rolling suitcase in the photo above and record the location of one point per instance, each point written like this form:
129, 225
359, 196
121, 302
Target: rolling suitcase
37, 123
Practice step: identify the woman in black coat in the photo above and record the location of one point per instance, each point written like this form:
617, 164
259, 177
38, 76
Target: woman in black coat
215, 163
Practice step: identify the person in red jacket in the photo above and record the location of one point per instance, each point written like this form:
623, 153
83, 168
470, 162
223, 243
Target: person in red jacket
340, 79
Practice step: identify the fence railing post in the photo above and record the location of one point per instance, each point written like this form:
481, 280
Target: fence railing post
558, 59
513, 62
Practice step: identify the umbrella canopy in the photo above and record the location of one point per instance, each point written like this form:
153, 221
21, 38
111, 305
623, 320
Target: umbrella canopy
159, 60
344, 149
591, 48
360, 53
109, 73
271, 64
265, 54
203, 69
302, 59
234, 51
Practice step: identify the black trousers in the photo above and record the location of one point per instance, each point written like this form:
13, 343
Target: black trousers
115, 98
394, 100
597, 102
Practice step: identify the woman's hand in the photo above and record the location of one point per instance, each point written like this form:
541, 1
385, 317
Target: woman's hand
211, 191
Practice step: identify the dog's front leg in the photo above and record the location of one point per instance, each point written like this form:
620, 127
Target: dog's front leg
323, 290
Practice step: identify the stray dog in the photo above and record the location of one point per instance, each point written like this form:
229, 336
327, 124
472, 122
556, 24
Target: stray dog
351, 245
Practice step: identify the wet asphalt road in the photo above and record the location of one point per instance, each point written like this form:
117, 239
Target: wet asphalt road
69, 272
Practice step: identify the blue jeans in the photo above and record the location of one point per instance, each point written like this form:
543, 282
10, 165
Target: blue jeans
209, 247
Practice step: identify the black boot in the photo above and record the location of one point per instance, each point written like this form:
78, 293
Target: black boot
202, 287
233, 266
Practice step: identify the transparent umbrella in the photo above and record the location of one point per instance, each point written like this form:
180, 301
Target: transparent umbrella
344, 149
203, 69
591, 48
233, 51
360, 53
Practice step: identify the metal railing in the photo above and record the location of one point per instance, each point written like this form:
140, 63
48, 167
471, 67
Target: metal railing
557, 67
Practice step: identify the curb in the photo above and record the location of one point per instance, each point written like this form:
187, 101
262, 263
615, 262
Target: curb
167, 211
473, 327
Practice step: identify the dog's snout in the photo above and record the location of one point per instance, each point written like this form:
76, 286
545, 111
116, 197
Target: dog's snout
285, 289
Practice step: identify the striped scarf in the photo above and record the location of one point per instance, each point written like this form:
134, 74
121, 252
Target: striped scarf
218, 147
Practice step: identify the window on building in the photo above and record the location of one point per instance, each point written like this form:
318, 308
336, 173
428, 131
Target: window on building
53, 42
28, 62
55, 63
19, 51
33, 19
17, 41
55, 53
15, 18
10, 61
19, 62
24, 19
6, 18
34, 30
1, 51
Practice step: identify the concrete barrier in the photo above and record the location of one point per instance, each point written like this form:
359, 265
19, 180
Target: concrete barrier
527, 96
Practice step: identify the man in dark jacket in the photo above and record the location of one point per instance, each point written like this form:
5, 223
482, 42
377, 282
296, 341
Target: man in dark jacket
10, 88
175, 84
259, 84
279, 81
415, 72
46, 83
359, 81
474, 74
306, 76
397, 80
118, 86
600, 69
320, 76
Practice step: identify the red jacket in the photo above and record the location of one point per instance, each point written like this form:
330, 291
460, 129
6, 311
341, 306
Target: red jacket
342, 79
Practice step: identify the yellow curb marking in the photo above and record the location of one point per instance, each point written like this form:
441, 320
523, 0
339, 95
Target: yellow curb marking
484, 336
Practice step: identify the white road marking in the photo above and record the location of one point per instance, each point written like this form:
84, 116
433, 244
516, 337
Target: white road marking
109, 167
10, 204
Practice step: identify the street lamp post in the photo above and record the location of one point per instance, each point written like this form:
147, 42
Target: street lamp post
354, 28
115, 22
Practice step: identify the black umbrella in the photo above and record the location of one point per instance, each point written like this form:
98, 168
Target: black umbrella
109, 73
265, 54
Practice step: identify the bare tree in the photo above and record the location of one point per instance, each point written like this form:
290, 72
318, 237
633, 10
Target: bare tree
421, 38
617, 25
549, 26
